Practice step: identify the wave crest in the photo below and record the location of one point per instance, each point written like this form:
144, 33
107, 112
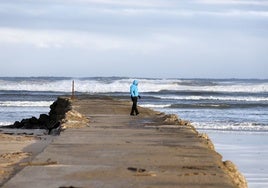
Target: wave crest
105, 85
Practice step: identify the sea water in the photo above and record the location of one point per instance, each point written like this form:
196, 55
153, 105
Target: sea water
233, 112
248, 150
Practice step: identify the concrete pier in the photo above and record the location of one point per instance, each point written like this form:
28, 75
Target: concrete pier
103, 146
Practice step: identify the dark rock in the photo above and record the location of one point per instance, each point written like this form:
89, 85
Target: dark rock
25, 121
43, 120
59, 108
55, 129
52, 121
33, 120
17, 124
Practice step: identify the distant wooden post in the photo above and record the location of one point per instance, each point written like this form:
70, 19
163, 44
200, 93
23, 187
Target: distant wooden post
72, 90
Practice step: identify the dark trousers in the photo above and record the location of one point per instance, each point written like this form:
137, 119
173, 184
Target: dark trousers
134, 106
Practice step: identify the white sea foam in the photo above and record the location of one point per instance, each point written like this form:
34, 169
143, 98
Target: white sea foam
220, 98
250, 88
5, 123
25, 103
155, 105
244, 126
122, 85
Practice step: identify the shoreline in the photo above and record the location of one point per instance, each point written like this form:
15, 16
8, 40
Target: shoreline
77, 118
248, 150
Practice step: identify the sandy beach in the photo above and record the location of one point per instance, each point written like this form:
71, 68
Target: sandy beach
102, 146
18, 147
11, 153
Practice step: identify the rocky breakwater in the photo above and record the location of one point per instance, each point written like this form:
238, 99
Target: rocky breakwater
61, 116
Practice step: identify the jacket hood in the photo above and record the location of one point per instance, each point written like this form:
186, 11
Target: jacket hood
135, 82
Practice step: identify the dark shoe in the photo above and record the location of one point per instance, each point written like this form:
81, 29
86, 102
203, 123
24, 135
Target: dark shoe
137, 113
132, 114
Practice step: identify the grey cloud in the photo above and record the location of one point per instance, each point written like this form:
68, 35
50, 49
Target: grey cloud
192, 32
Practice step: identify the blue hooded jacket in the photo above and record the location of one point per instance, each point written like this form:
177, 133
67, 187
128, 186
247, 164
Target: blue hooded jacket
134, 89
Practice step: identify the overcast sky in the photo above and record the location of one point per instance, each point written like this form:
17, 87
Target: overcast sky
146, 38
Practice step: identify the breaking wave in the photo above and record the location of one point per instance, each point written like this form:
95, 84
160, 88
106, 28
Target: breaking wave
25, 103
114, 84
243, 126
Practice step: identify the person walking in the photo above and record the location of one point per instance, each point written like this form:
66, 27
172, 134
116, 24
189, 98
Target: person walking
134, 93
